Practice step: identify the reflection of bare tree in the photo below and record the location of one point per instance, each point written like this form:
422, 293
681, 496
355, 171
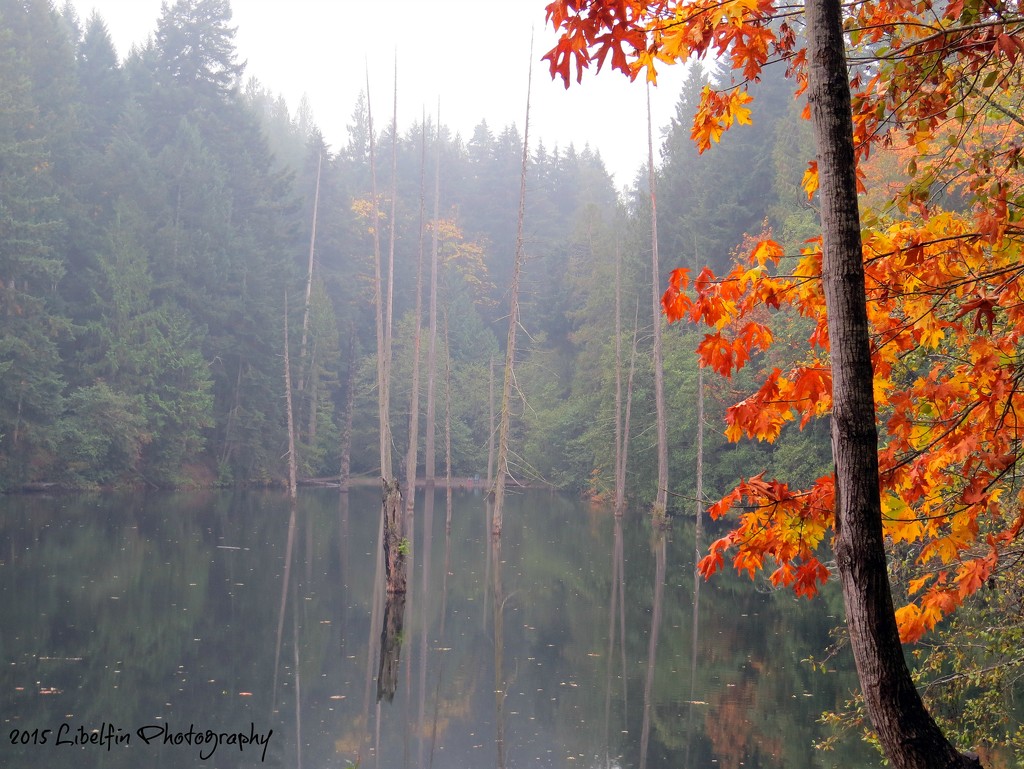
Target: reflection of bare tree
285, 582
652, 647
428, 529
390, 646
371, 644
487, 560
342, 544
441, 635
298, 683
500, 684
617, 601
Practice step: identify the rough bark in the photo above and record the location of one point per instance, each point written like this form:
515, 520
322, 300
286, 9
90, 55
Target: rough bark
908, 734
395, 544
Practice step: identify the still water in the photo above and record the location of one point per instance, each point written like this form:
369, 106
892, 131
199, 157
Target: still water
224, 629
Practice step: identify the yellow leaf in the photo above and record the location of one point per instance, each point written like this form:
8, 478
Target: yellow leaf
740, 113
916, 584
931, 334
810, 180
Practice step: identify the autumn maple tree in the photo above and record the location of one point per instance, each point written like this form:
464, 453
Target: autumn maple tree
917, 306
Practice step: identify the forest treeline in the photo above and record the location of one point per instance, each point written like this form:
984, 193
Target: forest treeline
157, 215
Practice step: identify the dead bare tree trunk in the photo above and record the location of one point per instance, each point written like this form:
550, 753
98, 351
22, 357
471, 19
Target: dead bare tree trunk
389, 304
447, 416
429, 455
292, 482
383, 385
490, 423
414, 398
309, 277
513, 324
661, 498
907, 732
392, 510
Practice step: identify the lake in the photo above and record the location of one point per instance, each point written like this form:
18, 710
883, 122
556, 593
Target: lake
225, 629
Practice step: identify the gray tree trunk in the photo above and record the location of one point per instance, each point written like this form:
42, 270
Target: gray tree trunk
907, 732
661, 495
504, 415
429, 446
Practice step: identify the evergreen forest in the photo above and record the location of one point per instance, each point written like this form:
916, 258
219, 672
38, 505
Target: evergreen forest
158, 215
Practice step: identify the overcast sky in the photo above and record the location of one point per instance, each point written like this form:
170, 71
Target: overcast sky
470, 54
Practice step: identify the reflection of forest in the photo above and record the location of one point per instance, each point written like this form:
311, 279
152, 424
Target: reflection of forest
169, 607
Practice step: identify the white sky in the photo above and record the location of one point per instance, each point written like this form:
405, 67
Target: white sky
470, 54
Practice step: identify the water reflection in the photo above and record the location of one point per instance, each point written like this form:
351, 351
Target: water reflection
659, 547
233, 611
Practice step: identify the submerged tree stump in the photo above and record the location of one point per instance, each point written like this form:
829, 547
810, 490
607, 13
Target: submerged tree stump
396, 544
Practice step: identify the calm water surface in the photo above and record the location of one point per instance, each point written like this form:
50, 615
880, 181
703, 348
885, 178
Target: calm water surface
572, 643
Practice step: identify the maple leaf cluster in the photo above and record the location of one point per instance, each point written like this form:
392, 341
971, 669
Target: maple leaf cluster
938, 88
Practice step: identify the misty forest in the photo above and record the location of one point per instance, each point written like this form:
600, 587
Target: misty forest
207, 311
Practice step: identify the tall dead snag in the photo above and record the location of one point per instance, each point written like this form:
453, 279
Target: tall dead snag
907, 732
309, 278
383, 385
447, 418
392, 511
620, 494
490, 423
292, 473
513, 324
661, 497
309, 372
389, 304
414, 398
622, 420
429, 457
